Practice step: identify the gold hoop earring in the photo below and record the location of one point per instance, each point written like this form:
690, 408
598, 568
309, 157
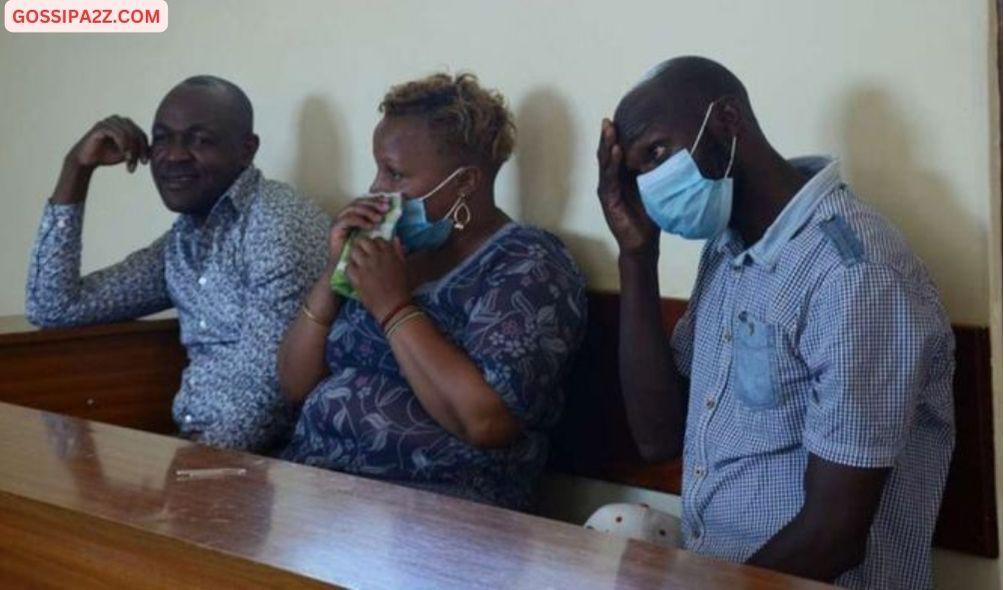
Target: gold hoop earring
461, 214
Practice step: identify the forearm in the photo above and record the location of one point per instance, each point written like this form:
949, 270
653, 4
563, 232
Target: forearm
829, 535
810, 547
450, 387
653, 395
301, 354
74, 180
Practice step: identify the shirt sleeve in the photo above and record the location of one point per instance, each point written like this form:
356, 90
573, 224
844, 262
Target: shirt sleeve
56, 294
524, 329
682, 343
283, 258
867, 341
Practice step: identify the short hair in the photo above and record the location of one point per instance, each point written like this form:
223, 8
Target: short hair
243, 112
464, 116
684, 86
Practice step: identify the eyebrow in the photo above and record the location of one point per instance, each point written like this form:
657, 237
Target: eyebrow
194, 128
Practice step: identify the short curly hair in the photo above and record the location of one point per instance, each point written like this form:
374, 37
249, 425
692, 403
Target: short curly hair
467, 118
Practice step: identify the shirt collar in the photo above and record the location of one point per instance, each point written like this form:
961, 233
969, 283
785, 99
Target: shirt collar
825, 176
240, 192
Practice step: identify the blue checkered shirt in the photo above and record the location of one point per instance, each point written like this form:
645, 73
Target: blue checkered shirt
825, 337
236, 280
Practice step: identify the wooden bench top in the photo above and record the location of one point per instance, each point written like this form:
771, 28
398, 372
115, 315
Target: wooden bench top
89, 504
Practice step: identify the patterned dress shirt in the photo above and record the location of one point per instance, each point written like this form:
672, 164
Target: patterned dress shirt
236, 280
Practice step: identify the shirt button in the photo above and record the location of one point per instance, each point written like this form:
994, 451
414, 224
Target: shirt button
61, 223
727, 336
709, 403
188, 418
699, 471
202, 324
202, 280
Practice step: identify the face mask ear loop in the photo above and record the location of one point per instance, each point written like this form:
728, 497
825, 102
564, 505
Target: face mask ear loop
732, 157
442, 184
704, 123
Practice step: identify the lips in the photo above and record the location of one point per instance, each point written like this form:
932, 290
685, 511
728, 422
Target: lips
177, 182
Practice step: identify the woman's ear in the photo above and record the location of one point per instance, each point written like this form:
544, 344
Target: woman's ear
469, 181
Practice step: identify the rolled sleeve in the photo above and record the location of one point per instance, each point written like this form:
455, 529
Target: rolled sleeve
866, 342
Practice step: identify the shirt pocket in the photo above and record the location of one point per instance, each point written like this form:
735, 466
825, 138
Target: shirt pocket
754, 362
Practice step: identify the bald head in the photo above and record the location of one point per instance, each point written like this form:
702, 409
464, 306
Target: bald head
677, 91
233, 105
202, 140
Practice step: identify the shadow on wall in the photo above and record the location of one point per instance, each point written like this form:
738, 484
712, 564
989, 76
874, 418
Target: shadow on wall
883, 162
322, 158
545, 148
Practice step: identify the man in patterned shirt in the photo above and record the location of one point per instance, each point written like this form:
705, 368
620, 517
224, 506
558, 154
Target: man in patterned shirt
808, 386
235, 263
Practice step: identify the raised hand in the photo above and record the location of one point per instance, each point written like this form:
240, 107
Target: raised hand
634, 230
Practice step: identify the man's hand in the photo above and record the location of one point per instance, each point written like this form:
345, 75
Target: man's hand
112, 141
634, 230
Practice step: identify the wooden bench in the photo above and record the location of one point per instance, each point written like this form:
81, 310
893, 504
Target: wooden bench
91, 505
126, 374
87, 504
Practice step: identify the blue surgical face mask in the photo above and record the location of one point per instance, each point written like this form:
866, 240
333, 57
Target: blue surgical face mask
681, 200
414, 228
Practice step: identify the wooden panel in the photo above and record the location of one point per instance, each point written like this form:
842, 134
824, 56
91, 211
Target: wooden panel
593, 439
125, 374
87, 504
968, 518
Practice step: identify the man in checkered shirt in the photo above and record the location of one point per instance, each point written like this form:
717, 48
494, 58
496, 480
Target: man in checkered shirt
808, 386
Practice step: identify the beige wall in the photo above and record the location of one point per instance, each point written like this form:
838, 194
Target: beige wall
898, 89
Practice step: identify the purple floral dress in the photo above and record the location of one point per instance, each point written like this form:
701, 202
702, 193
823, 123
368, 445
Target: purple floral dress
517, 306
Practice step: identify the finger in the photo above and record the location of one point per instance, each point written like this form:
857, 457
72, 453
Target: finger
353, 221
602, 150
142, 143
367, 210
381, 202
125, 141
111, 132
365, 247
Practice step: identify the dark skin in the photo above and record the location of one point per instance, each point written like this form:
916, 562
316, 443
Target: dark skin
829, 534
198, 148
447, 383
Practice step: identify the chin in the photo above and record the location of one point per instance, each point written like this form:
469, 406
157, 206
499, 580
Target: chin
183, 203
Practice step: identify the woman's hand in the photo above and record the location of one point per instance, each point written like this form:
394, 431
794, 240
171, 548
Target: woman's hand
377, 271
363, 213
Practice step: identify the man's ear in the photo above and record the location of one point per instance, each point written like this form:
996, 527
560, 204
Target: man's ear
249, 148
728, 118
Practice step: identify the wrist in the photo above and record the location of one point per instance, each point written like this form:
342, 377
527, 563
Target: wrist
72, 165
395, 312
639, 259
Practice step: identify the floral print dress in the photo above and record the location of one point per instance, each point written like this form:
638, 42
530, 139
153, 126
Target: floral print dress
517, 307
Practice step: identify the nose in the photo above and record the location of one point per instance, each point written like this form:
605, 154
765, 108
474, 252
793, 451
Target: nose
176, 151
